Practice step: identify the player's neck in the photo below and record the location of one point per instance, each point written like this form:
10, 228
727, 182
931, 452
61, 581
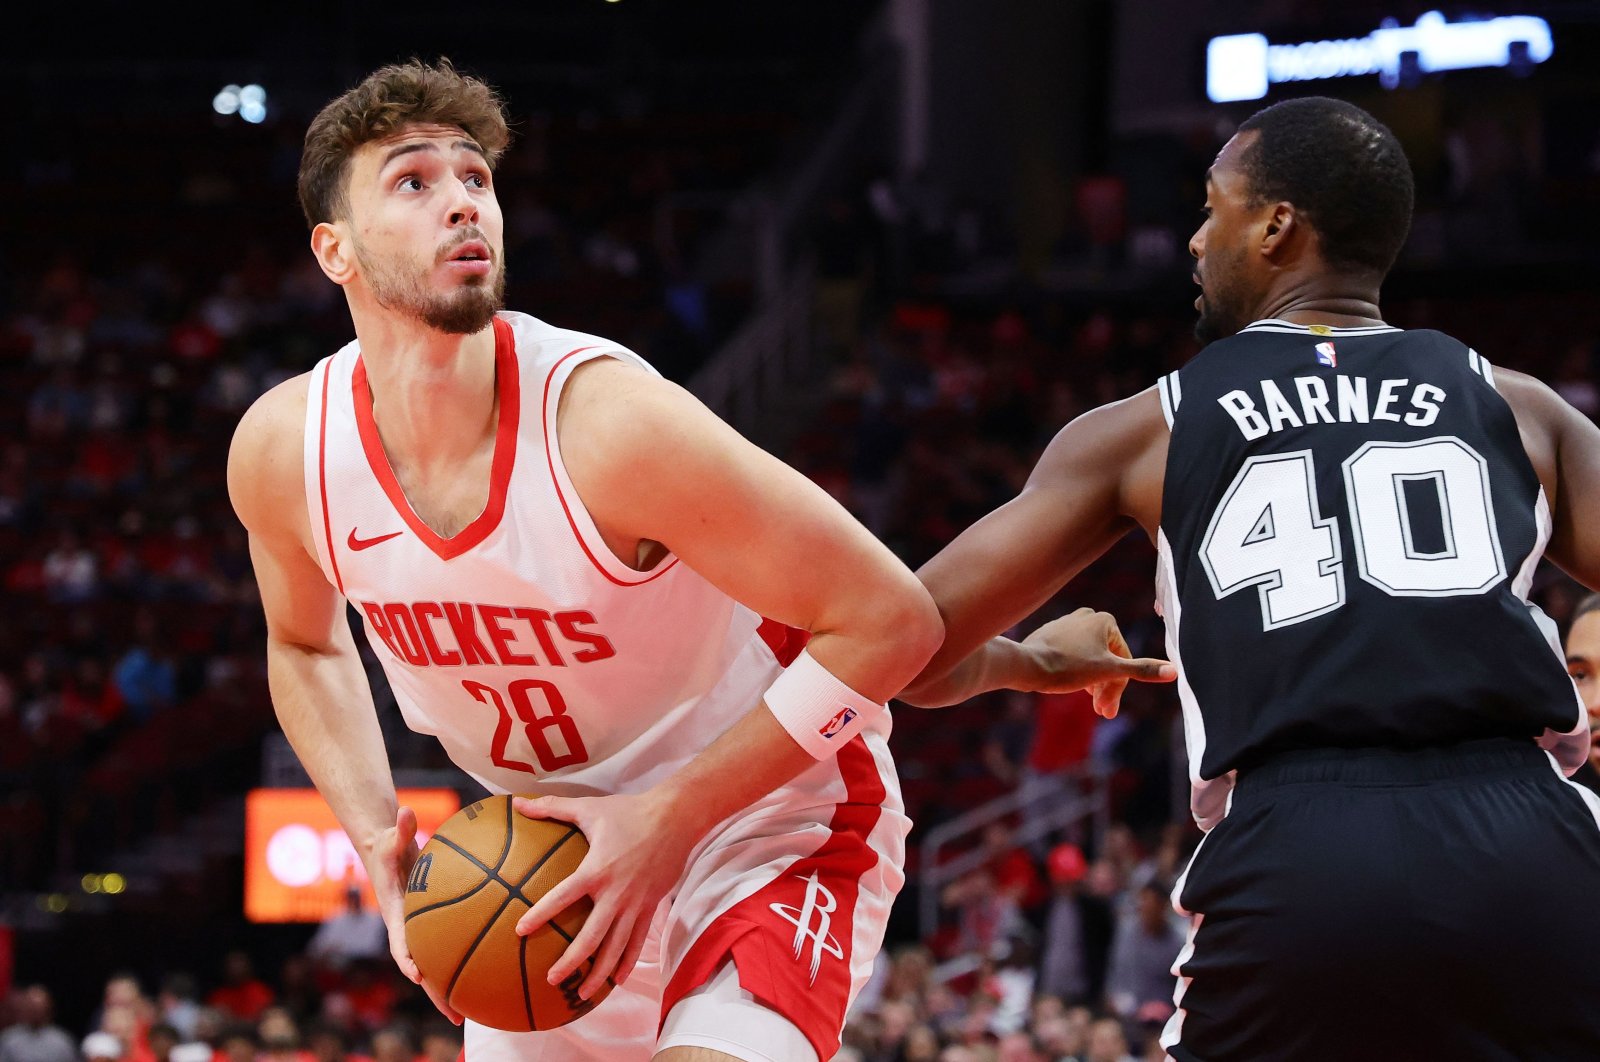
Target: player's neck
433, 394
1334, 301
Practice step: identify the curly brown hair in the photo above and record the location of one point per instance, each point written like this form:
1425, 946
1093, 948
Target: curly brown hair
386, 101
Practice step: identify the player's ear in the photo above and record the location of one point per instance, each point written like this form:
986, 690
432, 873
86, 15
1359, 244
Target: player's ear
334, 248
1281, 226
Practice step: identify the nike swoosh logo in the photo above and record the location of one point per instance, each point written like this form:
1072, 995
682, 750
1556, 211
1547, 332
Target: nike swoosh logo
365, 543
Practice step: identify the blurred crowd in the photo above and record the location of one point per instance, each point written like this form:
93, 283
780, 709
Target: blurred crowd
132, 685
319, 1007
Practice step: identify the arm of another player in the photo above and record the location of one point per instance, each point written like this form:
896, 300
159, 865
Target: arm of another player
319, 689
1099, 476
1564, 446
651, 463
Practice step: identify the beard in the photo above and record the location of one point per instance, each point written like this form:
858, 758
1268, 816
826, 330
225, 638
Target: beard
466, 310
1222, 307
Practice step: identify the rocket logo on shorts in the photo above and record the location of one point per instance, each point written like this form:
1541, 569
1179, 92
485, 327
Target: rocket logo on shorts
833, 726
821, 903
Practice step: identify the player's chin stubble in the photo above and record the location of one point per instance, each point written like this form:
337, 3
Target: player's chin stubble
1221, 312
467, 310
1206, 328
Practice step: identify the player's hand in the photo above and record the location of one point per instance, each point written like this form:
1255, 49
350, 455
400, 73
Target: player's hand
636, 855
393, 857
1086, 651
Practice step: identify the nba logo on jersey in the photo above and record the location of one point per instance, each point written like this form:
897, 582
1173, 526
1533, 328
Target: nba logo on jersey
838, 722
1326, 355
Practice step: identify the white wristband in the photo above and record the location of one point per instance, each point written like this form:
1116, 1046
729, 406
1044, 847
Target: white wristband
821, 713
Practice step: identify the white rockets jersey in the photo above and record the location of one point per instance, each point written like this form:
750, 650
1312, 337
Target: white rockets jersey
539, 660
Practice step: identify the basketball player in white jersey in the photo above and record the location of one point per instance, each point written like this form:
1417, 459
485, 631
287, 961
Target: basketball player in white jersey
587, 587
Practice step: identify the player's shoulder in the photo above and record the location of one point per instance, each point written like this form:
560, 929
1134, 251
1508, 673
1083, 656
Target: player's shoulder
275, 416
266, 468
539, 341
1530, 397
1108, 439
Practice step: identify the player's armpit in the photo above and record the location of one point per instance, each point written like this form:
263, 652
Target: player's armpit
266, 483
1100, 476
651, 463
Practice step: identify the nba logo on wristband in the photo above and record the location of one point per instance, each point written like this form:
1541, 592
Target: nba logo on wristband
838, 722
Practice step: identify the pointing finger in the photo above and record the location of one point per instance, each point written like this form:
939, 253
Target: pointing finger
1147, 669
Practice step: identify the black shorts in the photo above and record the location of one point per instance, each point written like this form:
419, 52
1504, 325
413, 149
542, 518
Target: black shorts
1388, 906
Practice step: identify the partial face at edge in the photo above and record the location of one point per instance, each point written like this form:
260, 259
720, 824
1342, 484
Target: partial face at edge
426, 228
1583, 664
1221, 246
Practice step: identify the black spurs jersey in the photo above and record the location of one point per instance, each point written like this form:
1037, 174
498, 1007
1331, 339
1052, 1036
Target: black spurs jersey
1349, 531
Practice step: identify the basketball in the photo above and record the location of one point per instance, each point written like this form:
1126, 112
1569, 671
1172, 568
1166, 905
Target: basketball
483, 869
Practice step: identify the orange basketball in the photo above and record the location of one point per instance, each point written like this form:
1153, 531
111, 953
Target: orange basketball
474, 878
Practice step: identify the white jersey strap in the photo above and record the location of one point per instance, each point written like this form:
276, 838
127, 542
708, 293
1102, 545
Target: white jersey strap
1171, 392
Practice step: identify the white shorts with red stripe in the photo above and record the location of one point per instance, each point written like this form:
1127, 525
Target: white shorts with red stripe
795, 893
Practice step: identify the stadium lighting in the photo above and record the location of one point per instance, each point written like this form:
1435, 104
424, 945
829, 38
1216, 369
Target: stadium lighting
247, 101
1242, 66
226, 101
253, 104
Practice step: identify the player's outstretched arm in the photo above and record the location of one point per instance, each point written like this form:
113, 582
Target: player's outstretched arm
1564, 446
319, 690
651, 464
1100, 476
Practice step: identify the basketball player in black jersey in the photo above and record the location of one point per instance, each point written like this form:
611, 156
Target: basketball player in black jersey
1347, 518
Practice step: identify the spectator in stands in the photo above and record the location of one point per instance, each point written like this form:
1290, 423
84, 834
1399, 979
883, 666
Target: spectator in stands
1015, 874
297, 989
71, 575
985, 914
1077, 935
326, 1042
239, 1044
1018, 1047
102, 1047
921, 1045
1061, 1038
356, 932
161, 1038
145, 676
1168, 858
1140, 982
1583, 664
368, 995
392, 1044
1107, 1043
34, 1038
211, 1025
242, 995
441, 1042
176, 1004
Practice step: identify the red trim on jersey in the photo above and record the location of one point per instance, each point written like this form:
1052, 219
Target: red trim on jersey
786, 642
505, 452
549, 456
773, 958
322, 479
